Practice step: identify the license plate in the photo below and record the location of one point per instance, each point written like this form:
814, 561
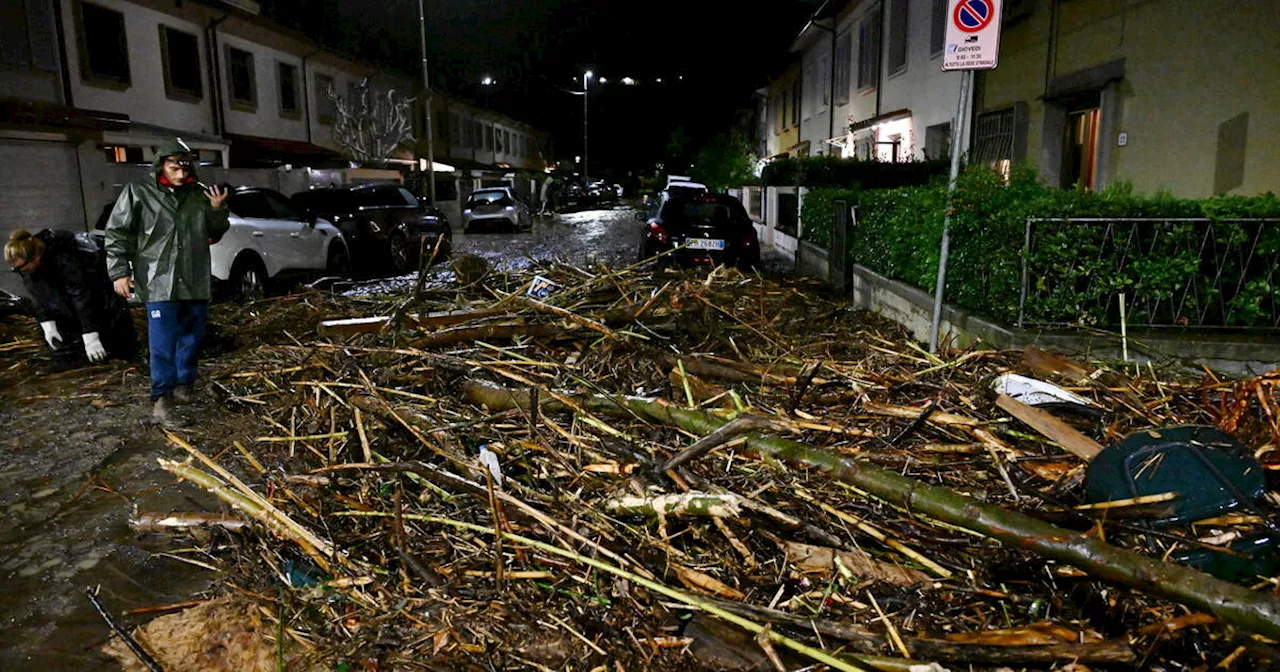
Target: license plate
706, 244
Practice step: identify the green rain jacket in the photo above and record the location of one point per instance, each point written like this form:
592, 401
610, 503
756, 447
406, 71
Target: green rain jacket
161, 236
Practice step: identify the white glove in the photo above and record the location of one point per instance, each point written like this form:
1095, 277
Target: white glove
93, 347
51, 334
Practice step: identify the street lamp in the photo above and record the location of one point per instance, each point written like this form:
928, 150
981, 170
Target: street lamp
586, 94
487, 81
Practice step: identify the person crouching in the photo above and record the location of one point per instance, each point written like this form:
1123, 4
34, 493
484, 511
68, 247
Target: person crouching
66, 275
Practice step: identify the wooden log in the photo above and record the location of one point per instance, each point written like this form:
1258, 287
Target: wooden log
1051, 427
1254, 611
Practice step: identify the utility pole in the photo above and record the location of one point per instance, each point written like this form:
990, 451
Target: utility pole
426, 94
586, 94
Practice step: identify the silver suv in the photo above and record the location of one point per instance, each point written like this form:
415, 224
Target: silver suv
270, 238
496, 207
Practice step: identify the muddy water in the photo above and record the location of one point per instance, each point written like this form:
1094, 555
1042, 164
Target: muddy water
74, 460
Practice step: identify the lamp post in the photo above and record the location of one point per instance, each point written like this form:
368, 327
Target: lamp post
586, 94
426, 93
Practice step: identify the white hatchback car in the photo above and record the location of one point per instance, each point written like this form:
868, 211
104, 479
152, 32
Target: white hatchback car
496, 207
270, 238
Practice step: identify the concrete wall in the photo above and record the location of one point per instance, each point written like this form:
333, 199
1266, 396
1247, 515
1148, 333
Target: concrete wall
145, 99
1188, 76
1234, 354
266, 120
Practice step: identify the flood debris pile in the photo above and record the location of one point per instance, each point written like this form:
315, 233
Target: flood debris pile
710, 471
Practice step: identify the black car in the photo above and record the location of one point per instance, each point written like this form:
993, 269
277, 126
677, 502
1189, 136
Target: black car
387, 228
713, 229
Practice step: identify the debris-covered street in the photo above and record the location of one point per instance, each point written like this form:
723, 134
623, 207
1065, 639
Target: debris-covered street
643, 470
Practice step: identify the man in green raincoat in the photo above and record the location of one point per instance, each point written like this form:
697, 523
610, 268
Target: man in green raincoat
158, 239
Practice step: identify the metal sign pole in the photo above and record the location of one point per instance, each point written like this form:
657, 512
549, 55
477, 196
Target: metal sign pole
962, 117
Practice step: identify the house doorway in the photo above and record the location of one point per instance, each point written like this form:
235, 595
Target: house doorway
1080, 149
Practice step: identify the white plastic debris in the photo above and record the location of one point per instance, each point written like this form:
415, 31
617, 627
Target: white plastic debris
1034, 392
490, 460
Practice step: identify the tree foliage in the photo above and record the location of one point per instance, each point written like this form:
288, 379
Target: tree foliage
371, 124
726, 161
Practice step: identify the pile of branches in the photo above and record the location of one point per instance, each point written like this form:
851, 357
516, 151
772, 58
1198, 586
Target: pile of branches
700, 471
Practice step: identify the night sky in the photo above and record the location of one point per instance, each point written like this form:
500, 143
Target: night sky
536, 49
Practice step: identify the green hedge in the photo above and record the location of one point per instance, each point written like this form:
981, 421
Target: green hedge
834, 172
898, 232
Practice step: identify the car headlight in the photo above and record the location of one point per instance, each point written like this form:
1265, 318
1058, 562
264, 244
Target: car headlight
511, 208
467, 212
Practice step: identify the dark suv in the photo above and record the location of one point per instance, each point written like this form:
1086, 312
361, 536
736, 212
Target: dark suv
386, 226
713, 228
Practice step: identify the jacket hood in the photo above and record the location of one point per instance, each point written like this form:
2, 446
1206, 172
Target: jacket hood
170, 148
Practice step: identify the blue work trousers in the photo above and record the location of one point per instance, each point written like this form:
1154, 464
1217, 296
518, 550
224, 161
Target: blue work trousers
174, 331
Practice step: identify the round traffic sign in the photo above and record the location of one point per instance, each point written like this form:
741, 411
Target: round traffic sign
972, 16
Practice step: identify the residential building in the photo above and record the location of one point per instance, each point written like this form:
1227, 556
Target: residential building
1167, 95
814, 48
90, 87
783, 136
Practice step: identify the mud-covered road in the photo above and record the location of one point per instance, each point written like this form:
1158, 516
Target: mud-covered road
76, 461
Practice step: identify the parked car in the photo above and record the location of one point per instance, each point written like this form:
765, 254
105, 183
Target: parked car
269, 238
685, 187
496, 207
714, 229
386, 226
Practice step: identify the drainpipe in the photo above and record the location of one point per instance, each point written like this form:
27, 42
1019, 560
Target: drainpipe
831, 88
69, 101
306, 95
215, 74
879, 59
1051, 56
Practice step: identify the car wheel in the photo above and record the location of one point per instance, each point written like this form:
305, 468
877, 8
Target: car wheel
339, 262
248, 279
401, 255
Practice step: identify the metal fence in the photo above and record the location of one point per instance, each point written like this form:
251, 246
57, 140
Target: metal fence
1178, 272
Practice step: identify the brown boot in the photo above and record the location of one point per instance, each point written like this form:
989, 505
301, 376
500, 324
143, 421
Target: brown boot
184, 394
164, 414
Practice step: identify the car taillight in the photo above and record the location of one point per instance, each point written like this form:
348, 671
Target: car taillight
749, 240
655, 231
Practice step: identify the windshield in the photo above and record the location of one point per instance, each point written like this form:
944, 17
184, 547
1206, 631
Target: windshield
489, 198
696, 213
324, 202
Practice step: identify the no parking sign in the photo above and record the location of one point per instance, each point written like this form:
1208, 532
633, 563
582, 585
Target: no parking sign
973, 35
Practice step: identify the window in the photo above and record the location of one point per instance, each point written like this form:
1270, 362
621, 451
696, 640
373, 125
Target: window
241, 83
869, 51
127, 155
843, 74
898, 35
937, 141
408, 198
180, 54
104, 49
326, 109
28, 37
506, 140
488, 138
290, 105
280, 207
782, 113
938, 29
251, 204
993, 136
